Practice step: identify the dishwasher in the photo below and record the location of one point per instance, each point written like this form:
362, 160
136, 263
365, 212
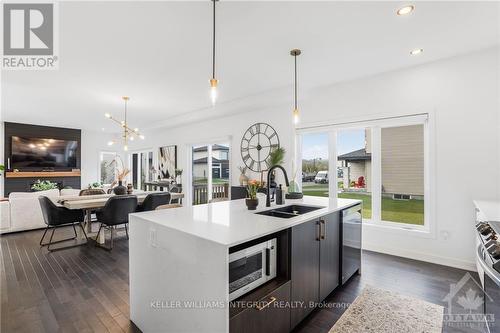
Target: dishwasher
350, 234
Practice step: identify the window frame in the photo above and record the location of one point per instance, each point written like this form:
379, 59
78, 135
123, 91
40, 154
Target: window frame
425, 119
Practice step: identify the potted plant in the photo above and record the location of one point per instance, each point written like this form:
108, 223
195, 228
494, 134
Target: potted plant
2, 168
243, 176
43, 185
95, 185
276, 157
252, 201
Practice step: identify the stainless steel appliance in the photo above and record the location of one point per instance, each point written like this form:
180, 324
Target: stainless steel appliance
251, 267
350, 251
488, 265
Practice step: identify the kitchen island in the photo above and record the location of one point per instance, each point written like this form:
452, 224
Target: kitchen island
179, 264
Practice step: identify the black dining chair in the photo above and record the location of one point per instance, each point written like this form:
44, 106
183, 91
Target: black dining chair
115, 212
56, 217
91, 191
154, 200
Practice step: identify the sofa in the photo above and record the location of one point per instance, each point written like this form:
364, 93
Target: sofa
23, 212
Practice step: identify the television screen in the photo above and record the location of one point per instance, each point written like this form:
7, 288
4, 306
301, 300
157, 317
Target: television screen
40, 153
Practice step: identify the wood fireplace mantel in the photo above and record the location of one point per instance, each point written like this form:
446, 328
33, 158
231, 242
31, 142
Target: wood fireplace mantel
44, 174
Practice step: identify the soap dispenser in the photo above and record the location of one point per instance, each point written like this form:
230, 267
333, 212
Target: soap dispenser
280, 200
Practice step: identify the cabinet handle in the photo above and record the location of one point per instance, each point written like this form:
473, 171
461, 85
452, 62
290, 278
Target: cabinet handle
318, 237
323, 234
262, 307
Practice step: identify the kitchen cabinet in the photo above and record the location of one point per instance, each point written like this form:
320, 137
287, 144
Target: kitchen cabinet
315, 262
268, 315
305, 268
329, 254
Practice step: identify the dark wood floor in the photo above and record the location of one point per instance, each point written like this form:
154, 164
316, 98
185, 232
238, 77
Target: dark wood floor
85, 289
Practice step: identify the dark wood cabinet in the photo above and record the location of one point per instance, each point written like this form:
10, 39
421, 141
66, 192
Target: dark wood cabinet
329, 266
305, 269
269, 314
315, 263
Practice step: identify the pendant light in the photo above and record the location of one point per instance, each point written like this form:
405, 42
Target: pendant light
128, 133
294, 53
213, 81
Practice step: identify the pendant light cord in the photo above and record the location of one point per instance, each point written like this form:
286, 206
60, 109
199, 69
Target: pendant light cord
295, 78
213, 42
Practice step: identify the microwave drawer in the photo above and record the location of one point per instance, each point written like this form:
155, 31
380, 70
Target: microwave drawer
266, 315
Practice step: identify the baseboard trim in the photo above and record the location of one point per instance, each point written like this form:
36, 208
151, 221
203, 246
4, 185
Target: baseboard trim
451, 262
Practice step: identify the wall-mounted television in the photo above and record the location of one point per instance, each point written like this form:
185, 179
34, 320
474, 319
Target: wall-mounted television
43, 153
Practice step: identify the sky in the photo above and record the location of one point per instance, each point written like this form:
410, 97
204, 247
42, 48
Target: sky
315, 145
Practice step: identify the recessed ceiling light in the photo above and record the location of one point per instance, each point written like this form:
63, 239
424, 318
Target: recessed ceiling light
416, 51
405, 10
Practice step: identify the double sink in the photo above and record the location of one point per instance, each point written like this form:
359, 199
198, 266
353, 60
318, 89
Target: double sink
287, 212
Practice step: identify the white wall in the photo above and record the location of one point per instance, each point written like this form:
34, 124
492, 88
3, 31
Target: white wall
219, 130
460, 93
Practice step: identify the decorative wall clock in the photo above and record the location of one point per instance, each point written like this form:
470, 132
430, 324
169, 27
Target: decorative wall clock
257, 143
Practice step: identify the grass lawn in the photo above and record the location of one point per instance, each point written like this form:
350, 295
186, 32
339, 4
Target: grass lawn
404, 211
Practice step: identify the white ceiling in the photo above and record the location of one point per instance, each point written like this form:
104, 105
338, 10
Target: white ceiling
159, 53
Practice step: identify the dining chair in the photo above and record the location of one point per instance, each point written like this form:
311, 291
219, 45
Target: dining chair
91, 191
168, 206
56, 217
115, 212
154, 200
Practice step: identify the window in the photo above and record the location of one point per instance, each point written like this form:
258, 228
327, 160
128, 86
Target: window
107, 168
315, 178
210, 172
381, 162
354, 166
402, 174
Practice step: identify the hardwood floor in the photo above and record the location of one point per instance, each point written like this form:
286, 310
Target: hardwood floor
85, 289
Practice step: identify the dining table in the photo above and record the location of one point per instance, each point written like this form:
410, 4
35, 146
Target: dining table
90, 203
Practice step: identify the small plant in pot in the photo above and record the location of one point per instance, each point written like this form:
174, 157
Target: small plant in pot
252, 201
43, 185
243, 177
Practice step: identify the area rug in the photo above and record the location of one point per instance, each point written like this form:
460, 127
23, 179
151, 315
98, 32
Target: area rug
382, 311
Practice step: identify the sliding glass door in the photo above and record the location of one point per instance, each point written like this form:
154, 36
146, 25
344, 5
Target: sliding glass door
141, 168
210, 172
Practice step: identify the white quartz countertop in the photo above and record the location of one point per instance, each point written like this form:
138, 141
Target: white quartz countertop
230, 222
489, 210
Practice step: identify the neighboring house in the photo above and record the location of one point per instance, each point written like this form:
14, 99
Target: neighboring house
356, 164
402, 161
220, 162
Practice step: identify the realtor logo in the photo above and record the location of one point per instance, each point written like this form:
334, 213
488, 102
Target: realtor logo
29, 39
